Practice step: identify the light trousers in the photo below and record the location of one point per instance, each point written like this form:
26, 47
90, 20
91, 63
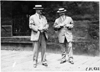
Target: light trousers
41, 43
66, 47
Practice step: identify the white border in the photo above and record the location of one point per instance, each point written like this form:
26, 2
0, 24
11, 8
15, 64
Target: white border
49, 0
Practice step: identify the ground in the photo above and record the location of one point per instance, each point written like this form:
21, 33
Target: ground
21, 61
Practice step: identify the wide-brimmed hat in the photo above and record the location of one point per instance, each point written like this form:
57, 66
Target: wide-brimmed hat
38, 7
60, 10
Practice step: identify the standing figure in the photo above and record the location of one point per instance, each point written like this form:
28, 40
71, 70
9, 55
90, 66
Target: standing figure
39, 26
64, 25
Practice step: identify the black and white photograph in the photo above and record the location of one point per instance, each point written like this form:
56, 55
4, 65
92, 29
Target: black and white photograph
49, 35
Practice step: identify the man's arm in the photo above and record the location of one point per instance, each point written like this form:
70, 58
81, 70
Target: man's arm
32, 24
46, 26
71, 24
56, 25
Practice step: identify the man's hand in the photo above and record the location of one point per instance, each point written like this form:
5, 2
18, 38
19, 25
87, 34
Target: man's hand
57, 26
40, 28
61, 24
69, 25
43, 30
36, 30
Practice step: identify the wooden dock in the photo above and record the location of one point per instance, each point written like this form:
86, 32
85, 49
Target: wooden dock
21, 61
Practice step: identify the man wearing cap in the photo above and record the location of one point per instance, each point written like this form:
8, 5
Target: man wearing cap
63, 25
39, 26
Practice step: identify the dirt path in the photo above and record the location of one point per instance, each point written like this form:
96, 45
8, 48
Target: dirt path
15, 61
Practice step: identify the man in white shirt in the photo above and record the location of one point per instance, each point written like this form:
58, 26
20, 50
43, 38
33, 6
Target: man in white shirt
63, 25
38, 25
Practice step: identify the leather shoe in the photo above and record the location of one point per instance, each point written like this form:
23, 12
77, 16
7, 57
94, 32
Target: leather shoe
71, 60
62, 61
34, 64
45, 64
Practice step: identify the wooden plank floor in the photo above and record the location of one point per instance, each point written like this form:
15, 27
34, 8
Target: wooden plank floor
21, 61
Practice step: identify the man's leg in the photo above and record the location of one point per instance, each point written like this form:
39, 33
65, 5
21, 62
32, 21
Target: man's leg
70, 52
43, 50
35, 53
62, 45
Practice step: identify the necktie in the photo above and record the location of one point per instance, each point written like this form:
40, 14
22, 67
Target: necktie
62, 18
39, 16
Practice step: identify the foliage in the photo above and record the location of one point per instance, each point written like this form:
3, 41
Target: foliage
84, 14
90, 9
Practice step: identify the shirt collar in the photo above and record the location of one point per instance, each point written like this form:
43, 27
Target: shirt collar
62, 16
37, 14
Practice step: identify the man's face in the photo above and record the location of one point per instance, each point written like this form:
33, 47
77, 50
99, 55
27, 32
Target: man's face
39, 11
62, 13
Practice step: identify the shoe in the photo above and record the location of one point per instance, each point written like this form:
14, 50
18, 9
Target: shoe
71, 60
34, 64
63, 61
45, 64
